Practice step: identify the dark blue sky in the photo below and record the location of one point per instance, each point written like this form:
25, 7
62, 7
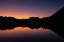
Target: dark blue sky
27, 8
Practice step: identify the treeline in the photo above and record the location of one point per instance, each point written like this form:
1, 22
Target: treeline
31, 20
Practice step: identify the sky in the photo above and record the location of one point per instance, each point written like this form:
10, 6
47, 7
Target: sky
29, 8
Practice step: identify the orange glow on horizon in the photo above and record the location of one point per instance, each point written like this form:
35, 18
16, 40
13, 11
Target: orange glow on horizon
21, 15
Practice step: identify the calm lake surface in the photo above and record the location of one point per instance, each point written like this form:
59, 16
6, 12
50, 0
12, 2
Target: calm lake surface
26, 34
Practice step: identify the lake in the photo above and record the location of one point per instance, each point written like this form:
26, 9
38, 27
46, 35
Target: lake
26, 34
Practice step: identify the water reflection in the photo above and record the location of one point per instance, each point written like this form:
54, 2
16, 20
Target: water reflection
17, 33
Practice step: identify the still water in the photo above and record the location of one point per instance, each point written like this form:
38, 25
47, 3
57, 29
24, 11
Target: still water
26, 34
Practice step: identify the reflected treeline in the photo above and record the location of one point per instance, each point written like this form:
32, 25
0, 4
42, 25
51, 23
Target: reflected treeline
57, 28
58, 17
32, 26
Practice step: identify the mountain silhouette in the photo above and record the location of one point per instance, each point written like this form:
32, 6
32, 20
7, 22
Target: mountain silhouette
59, 14
58, 17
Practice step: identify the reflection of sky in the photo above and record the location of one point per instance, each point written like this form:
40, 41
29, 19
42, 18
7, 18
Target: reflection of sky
28, 8
27, 33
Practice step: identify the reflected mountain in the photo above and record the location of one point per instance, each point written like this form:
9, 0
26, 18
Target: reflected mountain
58, 28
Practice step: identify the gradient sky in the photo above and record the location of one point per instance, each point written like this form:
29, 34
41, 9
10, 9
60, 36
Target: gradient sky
29, 8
